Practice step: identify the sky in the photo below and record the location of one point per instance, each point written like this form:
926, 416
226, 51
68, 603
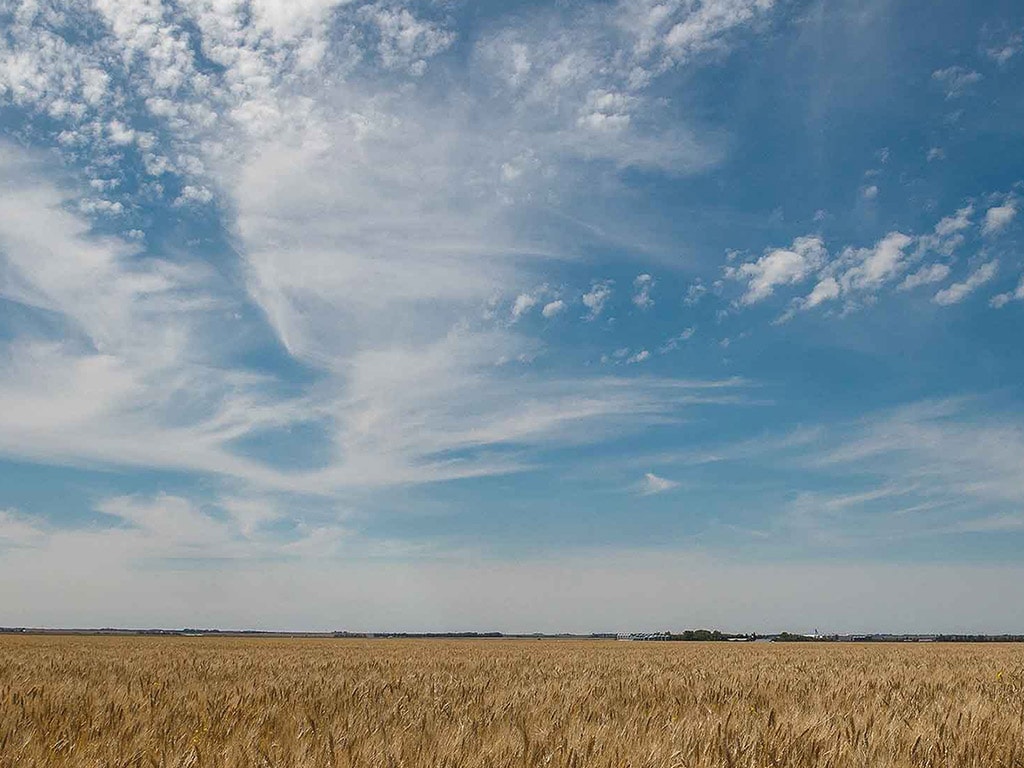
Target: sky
520, 316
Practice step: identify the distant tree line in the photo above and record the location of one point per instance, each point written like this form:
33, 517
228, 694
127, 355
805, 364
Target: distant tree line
700, 635
790, 637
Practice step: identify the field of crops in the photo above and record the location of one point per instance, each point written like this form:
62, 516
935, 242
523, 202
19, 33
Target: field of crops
75, 701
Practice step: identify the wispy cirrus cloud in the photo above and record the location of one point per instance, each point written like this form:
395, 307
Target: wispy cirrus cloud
370, 222
1003, 50
138, 375
915, 472
956, 80
653, 484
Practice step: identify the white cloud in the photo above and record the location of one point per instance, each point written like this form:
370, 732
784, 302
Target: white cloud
620, 354
651, 484
673, 343
702, 29
119, 133
957, 292
870, 192
151, 387
783, 266
606, 111
250, 514
287, 19
600, 59
1001, 300
926, 275
61, 63
826, 290
641, 356
935, 153
407, 42
424, 382
920, 471
1004, 51
872, 267
958, 222
553, 308
93, 206
856, 275
999, 217
584, 74
194, 195
596, 298
956, 80
143, 390
104, 185
947, 236
642, 286
171, 523
524, 303
133, 530
371, 217
943, 448
694, 292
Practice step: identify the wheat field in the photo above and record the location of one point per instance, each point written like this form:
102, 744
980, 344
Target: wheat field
176, 702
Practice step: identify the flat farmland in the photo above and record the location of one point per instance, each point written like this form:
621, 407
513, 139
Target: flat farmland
146, 701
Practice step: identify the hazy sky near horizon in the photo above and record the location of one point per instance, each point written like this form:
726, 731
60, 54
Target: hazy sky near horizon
586, 316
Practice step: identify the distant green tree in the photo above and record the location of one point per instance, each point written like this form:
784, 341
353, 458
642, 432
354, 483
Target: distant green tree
789, 637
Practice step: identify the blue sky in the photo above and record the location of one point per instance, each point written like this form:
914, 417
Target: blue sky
559, 316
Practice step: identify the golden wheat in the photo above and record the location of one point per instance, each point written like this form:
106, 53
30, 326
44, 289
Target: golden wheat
176, 702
